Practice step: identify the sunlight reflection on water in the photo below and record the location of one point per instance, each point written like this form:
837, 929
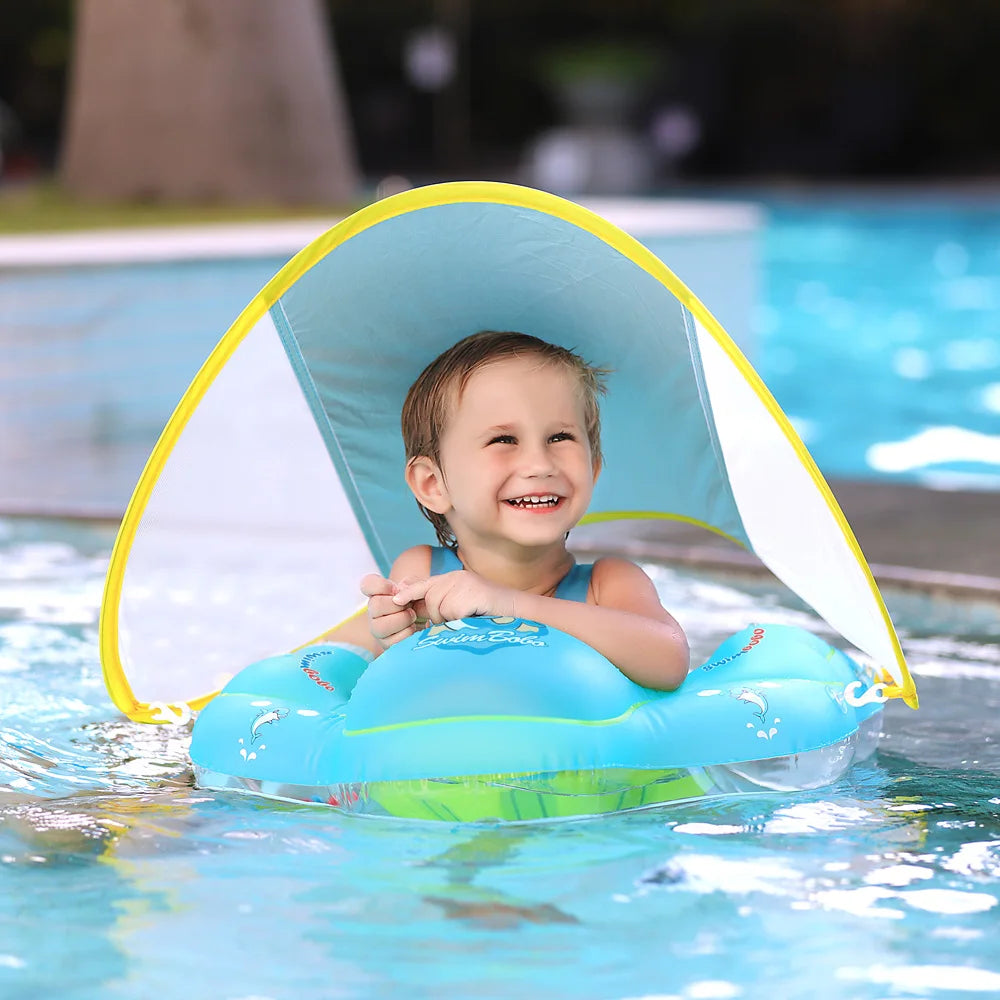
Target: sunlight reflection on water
887, 879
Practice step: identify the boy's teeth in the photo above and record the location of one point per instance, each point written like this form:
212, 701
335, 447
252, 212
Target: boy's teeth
534, 501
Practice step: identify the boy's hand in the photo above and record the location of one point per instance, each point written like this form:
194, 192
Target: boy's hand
460, 594
389, 620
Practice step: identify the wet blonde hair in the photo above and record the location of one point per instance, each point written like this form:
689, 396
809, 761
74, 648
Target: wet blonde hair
432, 397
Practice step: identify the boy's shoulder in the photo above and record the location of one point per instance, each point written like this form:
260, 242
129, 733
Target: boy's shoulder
611, 572
619, 583
414, 561
615, 564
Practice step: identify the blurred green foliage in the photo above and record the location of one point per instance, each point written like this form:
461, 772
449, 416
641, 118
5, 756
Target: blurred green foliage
42, 206
634, 63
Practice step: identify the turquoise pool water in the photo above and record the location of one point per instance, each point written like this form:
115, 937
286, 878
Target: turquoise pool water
880, 334
118, 879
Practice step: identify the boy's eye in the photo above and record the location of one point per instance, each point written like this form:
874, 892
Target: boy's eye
562, 436
502, 439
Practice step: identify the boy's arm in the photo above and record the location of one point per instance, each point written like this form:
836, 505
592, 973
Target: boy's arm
627, 624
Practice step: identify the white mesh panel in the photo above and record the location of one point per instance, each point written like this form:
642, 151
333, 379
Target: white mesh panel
786, 518
247, 546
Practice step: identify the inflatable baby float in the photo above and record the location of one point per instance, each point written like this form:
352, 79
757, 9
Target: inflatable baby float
484, 719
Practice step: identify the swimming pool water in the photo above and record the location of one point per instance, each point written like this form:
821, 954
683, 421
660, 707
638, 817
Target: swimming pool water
118, 879
880, 333
93, 361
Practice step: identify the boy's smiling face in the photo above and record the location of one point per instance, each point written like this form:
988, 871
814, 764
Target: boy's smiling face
516, 464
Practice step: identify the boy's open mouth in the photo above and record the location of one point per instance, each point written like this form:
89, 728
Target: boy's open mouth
541, 502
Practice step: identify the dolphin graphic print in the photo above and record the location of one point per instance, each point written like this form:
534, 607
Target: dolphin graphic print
265, 719
753, 698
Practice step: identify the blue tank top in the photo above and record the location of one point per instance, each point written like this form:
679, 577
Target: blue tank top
572, 587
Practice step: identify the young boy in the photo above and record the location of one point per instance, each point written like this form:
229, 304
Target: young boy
502, 437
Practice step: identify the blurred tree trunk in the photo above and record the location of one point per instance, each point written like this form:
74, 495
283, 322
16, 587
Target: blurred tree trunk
206, 100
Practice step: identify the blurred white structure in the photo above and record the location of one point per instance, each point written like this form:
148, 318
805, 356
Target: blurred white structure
577, 160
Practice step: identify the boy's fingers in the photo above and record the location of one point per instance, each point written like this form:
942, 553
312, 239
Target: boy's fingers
382, 606
386, 627
411, 590
391, 640
430, 605
373, 585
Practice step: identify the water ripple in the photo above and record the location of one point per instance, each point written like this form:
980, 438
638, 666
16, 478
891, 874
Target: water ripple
909, 841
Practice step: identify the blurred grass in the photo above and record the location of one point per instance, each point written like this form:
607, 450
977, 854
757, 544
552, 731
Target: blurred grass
44, 207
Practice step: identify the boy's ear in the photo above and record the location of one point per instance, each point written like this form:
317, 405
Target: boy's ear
598, 466
426, 483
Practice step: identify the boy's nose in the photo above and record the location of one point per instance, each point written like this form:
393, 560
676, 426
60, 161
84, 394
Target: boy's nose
537, 461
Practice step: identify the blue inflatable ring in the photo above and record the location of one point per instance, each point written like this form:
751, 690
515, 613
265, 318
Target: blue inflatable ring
506, 719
